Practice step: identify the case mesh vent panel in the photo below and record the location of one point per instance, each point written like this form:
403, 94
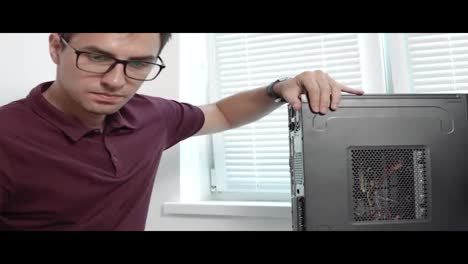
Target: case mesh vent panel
389, 184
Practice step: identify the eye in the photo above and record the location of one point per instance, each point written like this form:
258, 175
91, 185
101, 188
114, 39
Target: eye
98, 57
138, 64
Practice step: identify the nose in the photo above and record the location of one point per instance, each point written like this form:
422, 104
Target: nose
115, 78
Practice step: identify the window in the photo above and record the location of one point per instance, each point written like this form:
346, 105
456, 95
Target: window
252, 162
431, 63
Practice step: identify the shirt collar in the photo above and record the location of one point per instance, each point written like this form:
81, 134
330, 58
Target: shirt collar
71, 127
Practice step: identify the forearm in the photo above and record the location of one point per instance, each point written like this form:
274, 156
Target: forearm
249, 106
245, 107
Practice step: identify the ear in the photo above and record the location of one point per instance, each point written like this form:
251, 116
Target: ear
55, 47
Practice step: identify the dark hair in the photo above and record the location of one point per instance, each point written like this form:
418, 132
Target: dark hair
164, 38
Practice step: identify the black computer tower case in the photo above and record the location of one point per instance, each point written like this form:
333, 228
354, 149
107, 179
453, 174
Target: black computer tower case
381, 162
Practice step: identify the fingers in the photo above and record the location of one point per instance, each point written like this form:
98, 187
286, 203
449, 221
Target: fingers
318, 90
347, 89
292, 93
294, 101
324, 92
313, 93
336, 95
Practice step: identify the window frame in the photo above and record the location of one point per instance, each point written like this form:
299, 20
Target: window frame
373, 79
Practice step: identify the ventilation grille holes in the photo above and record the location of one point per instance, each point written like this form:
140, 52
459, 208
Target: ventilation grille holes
389, 184
298, 167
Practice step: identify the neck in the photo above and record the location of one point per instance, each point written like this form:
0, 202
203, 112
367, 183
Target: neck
57, 97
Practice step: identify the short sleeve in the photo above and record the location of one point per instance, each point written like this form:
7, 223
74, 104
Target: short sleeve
183, 121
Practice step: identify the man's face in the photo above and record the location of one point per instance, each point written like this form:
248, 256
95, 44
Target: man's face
102, 93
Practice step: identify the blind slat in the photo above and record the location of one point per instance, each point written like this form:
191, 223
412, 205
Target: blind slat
438, 61
255, 157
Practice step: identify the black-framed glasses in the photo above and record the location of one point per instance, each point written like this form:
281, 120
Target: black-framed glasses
94, 62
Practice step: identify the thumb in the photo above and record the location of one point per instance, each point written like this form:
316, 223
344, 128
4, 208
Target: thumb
295, 102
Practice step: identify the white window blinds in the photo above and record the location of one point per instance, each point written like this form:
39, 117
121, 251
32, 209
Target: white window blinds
438, 62
255, 157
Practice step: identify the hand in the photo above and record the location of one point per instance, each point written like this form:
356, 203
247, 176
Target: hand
323, 92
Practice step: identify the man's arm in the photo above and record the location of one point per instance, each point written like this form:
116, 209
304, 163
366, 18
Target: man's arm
245, 107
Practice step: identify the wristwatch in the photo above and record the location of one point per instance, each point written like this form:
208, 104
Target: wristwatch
272, 93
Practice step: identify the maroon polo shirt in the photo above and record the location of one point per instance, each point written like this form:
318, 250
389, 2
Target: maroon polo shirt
56, 174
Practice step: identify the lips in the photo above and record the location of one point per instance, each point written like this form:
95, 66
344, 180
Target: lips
106, 98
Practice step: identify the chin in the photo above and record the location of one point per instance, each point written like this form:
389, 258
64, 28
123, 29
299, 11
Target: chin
104, 110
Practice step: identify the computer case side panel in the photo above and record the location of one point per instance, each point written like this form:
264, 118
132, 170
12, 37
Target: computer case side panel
381, 162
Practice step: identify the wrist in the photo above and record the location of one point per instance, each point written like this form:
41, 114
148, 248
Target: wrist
273, 89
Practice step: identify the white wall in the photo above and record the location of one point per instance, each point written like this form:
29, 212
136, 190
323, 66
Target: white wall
181, 81
26, 62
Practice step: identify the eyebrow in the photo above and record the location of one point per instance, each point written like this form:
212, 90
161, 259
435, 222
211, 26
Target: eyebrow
151, 58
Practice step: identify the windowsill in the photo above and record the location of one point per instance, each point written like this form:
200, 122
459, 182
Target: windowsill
228, 208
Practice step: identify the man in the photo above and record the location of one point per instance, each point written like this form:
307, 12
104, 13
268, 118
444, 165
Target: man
81, 152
